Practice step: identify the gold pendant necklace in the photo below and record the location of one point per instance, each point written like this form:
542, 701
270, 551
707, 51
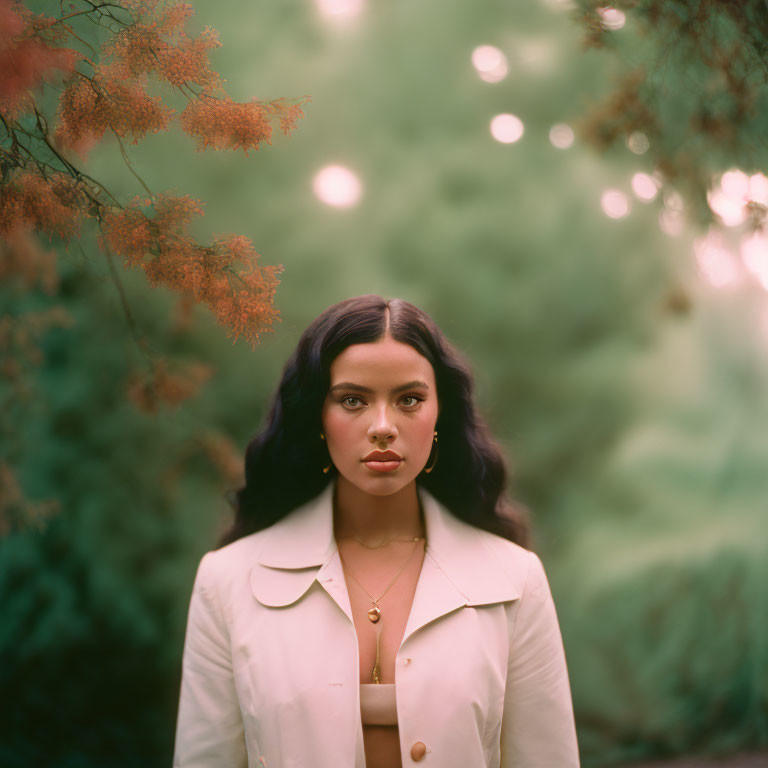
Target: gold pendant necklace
374, 613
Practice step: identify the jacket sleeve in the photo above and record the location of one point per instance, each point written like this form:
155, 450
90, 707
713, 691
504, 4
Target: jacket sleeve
537, 728
209, 727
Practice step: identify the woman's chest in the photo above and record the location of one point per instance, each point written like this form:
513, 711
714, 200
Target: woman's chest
381, 588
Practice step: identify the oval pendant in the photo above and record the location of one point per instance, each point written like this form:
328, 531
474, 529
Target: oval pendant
374, 614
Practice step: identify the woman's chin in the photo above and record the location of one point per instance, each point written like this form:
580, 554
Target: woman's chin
379, 483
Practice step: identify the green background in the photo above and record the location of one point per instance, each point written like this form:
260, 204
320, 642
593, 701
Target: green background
634, 424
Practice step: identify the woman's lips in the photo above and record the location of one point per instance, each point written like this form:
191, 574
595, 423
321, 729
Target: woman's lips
383, 466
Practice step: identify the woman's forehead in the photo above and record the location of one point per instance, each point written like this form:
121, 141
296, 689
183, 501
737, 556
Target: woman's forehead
385, 359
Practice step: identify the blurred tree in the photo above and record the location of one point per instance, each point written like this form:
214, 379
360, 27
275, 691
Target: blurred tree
44, 189
692, 83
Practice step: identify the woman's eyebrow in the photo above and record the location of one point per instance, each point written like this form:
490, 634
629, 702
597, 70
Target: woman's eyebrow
360, 388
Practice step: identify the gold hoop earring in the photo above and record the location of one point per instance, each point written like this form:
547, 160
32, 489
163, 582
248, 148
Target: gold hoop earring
327, 469
429, 469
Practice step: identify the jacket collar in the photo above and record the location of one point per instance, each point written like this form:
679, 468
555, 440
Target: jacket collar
462, 565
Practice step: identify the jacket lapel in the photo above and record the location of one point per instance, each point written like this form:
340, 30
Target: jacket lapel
461, 565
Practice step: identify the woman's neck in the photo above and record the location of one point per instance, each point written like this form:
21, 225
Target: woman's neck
371, 519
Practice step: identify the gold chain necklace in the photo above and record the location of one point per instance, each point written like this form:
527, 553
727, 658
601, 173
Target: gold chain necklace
376, 546
374, 612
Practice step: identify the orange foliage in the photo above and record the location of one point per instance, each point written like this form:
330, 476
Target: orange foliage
89, 106
166, 387
160, 245
51, 203
26, 56
22, 259
19, 336
225, 124
150, 234
15, 507
288, 113
183, 314
250, 310
163, 48
115, 95
226, 457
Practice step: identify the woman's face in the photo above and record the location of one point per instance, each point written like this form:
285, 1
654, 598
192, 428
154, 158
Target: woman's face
382, 397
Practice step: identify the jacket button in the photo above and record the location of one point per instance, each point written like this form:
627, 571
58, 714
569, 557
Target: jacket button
418, 750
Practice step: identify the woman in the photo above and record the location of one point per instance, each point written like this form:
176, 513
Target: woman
373, 605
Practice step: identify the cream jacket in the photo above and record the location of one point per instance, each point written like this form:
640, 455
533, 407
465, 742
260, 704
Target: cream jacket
270, 672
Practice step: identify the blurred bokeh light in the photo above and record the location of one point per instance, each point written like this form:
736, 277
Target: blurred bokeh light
337, 186
490, 63
507, 128
561, 136
614, 203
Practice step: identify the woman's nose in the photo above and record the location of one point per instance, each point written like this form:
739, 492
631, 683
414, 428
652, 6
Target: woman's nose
382, 427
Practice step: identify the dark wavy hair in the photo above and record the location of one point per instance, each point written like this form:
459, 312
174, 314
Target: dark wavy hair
470, 476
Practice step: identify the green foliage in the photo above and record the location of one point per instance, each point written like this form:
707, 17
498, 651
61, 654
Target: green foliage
693, 78
630, 415
92, 605
667, 652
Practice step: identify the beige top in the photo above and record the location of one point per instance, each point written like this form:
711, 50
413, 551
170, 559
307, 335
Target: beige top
377, 704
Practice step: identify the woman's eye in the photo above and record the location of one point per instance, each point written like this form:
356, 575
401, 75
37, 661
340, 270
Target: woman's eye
345, 400
415, 398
